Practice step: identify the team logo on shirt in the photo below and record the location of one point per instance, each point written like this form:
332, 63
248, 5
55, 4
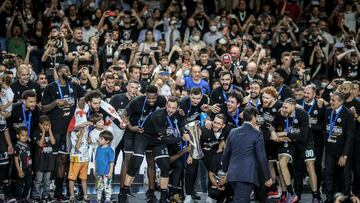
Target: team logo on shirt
295, 121
34, 90
274, 110
315, 112
339, 120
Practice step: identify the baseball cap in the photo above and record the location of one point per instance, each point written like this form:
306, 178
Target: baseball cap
226, 58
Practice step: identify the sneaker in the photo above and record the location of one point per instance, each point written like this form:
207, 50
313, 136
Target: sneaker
85, 199
164, 199
282, 198
274, 195
195, 197
188, 199
291, 198
317, 200
176, 198
123, 197
150, 197
60, 197
210, 200
36, 200
72, 199
10, 200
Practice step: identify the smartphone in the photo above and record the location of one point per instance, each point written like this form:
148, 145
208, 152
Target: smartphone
112, 13
153, 48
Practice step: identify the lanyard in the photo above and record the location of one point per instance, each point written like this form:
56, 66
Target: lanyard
332, 122
280, 90
60, 91
312, 106
292, 123
258, 102
224, 95
175, 130
27, 122
141, 124
236, 119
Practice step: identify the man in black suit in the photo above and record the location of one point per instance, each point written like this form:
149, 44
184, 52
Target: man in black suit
245, 149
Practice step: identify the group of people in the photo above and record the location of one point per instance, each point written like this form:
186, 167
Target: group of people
183, 84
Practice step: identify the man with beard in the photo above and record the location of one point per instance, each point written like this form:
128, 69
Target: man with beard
266, 120
24, 83
119, 102
191, 107
59, 102
138, 112
354, 106
253, 99
43, 82
156, 135
23, 114
278, 80
78, 48
292, 127
339, 134
220, 95
308, 152
232, 110
194, 80
109, 90
212, 144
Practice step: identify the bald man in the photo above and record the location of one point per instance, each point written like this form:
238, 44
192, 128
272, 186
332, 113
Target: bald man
251, 74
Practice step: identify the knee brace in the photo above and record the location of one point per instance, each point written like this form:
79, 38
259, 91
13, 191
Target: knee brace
134, 164
164, 165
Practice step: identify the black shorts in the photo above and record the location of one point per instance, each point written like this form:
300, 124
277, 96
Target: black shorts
61, 145
271, 149
145, 142
306, 152
287, 150
4, 155
129, 142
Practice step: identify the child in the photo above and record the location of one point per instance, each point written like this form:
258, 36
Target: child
98, 122
79, 162
44, 160
104, 166
23, 164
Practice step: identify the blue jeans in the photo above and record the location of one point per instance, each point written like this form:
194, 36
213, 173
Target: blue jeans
41, 185
2, 44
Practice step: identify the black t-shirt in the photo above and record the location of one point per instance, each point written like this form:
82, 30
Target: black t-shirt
22, 150
192, 112
128, 35
19, 89
44, 157
232, 121
266, 118
316, 118
62, 115
86, 86
108, 95
285, 92
158, 126
218, 95
352, 72
298, 126
119, 102
17, 120
139, 109
74, 47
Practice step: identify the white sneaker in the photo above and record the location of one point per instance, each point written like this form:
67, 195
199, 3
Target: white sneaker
210, 200
188, 199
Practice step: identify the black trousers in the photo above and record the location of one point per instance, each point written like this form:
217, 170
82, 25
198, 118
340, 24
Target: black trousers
23, 185
176, 174
336, 178
190, 176
319, 143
